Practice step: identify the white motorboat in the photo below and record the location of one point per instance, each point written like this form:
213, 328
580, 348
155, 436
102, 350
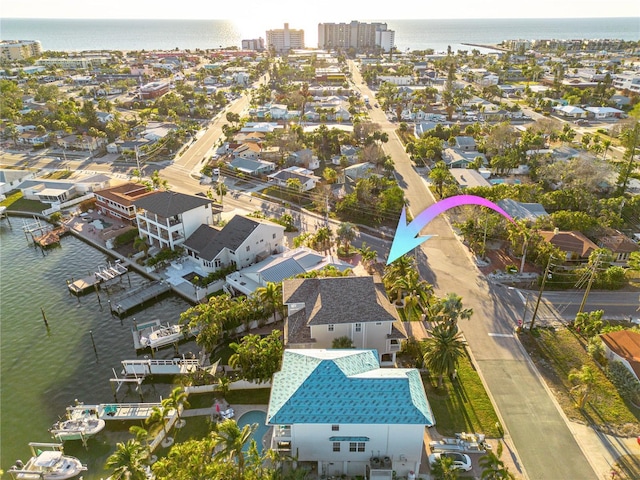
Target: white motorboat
162, 335
49, 464
79, 425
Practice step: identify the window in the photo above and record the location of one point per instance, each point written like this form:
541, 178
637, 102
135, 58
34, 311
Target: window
358, 327
356, 446
248, 247
274, 236
378, 323
336, 446
335, 428
330, 327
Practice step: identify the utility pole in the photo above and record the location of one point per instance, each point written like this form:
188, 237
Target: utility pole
594, 269
544, 280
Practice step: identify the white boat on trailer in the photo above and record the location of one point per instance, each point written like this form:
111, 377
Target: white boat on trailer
80, 424
49, 464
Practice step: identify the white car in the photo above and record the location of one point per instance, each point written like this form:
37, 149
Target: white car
461, 461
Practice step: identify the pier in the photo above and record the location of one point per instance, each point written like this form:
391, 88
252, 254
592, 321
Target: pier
135, 371
42, 234
120, 411
138, 296
102, 274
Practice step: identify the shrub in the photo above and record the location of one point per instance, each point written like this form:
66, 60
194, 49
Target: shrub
126, 237
627, 385
595, 348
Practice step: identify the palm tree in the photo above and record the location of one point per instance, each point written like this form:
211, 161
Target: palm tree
224, 384
493, 468
368, 256
271, 295
140, 244
346, 234
229, 440
128, 461
142, 437
176, 399
585, 379
342, 342
443, 350
449, 310
157, 417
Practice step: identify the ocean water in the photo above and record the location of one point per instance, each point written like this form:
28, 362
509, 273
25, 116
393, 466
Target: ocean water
74, 35
42, 371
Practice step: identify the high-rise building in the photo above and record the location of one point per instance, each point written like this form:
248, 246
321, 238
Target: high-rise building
19, 49
285, 39
361, 36
253, 44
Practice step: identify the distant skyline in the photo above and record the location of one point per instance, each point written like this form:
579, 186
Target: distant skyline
273, 13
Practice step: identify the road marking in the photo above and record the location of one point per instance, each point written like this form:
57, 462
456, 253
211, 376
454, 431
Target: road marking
501, 335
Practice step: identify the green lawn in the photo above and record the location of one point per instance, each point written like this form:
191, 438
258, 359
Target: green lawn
15, 202
462, 405
256, 396
556, 353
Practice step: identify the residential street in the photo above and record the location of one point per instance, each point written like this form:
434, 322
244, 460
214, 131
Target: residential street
538, 430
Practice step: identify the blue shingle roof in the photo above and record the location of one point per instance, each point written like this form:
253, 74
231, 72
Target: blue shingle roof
345, 387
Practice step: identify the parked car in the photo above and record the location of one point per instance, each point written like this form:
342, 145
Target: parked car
461, 461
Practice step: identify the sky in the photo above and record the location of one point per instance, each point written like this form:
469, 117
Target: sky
292, 11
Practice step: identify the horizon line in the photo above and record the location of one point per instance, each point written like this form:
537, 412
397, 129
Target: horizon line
285, 21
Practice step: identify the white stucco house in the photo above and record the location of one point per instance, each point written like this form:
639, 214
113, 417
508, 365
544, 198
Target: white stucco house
168, 218
243, 241
306, 177
319, 311
338, 411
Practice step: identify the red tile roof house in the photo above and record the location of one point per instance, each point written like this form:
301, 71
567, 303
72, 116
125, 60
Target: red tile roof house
575, 245
117, 202
624, 346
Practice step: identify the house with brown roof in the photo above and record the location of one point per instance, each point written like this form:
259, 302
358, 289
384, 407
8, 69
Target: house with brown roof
117, 202
323, 309
573, 243
621, 246
623, 346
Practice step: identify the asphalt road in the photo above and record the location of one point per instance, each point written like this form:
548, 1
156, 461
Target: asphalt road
544, 444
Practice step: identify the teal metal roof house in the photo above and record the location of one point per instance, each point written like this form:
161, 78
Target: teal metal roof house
339, 409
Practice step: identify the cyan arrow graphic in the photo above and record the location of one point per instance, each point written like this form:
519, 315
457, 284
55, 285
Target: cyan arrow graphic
406, 237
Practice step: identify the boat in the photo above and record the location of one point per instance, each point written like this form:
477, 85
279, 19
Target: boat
153, 334
79, 425
161, 336
50, 464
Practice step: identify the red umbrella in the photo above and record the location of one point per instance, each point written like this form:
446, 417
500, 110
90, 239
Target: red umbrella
217, 408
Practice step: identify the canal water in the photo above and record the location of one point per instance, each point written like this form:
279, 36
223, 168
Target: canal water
42, 371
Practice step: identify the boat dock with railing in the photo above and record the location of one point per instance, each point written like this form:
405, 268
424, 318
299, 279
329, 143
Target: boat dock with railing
119, 411
138, 296
135, 371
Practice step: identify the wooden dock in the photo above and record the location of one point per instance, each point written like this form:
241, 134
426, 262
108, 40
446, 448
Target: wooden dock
121, 411
101, 275
138, 296
50, 237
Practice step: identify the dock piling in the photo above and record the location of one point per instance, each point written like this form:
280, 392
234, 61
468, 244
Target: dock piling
44, 318
95, 350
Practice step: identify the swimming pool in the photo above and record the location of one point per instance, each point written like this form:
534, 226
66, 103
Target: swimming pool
255, 416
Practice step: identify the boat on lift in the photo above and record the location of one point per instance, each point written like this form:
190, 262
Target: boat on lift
47, 462
80, 424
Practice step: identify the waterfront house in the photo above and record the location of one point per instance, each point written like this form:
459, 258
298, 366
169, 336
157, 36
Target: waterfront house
59, 191
243, 241
117, 202
339, 413
279, 267
320, 311
167, 218
623, 346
